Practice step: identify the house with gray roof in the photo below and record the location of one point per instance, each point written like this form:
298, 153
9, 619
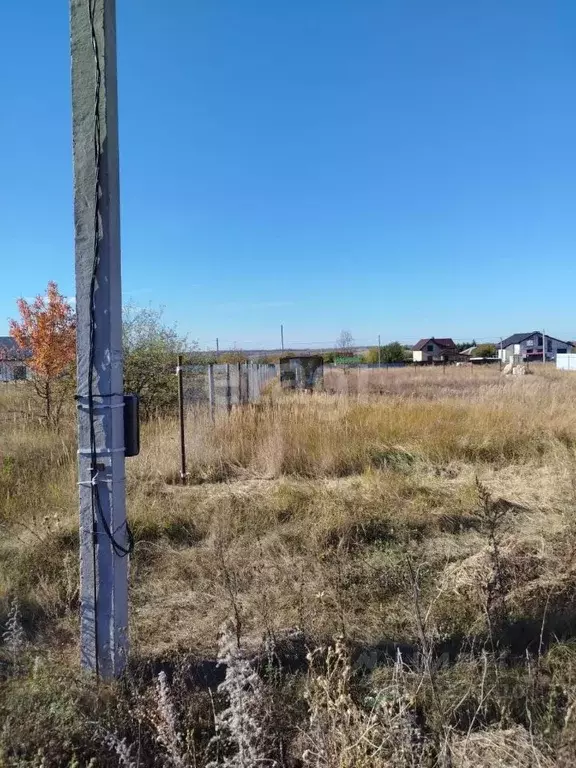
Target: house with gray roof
532, 346
12, 360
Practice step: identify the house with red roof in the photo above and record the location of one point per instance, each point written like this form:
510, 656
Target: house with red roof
433, 350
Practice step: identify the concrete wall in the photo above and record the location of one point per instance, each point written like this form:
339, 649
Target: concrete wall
13, 371
566, 362
233, 384
301, 372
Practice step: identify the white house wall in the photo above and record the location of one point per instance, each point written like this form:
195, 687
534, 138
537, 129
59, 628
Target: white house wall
421, 356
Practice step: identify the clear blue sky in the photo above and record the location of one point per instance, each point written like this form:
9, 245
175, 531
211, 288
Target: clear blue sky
403, 167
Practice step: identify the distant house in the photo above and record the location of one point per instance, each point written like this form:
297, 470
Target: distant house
530, 346
12, 360
434, 350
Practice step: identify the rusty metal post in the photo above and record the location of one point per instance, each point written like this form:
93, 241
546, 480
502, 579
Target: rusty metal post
182, 424
228, 391
211, 393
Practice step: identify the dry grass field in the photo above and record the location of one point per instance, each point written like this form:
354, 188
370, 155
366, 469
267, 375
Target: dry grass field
393, 560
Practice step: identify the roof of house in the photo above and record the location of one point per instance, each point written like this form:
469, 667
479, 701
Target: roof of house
7, 342
446, 343
518, 338
10, 350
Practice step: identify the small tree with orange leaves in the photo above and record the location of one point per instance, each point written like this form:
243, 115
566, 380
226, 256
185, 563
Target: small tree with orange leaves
46, 334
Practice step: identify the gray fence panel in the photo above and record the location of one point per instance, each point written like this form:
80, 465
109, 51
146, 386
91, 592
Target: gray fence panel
220, 386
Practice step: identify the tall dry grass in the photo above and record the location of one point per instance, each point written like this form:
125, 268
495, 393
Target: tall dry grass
470, 415
431, 512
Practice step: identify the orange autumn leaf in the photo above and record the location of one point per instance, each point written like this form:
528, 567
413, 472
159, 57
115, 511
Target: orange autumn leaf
46, 332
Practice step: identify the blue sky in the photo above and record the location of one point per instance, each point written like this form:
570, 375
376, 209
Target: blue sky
402, 167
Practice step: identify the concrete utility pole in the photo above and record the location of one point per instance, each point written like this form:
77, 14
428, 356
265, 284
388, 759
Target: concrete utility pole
217, 346
282, 337
543, 346
105, 540
379, 353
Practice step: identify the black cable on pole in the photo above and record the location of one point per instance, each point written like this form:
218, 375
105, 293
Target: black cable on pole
118, 548
97, 513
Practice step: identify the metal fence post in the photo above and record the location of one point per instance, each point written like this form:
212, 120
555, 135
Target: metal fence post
181, 417
211, 394
228, 392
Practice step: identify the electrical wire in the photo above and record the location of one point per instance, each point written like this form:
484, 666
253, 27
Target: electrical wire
97, 513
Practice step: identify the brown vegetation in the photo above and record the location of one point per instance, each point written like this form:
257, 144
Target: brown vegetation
46, 334
410, 530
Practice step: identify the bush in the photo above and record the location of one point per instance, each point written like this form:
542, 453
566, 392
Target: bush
150, 352
233, 357
389, 353
485, 350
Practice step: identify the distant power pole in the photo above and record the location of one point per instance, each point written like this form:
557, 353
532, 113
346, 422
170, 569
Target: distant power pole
379, 353
217, 346
543, 346
105, 540
282, 337
501, 353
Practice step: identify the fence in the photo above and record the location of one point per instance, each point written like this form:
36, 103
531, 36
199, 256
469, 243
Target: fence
13, 370
368, 366
205, 390
221, 386
566, 362
303, 373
